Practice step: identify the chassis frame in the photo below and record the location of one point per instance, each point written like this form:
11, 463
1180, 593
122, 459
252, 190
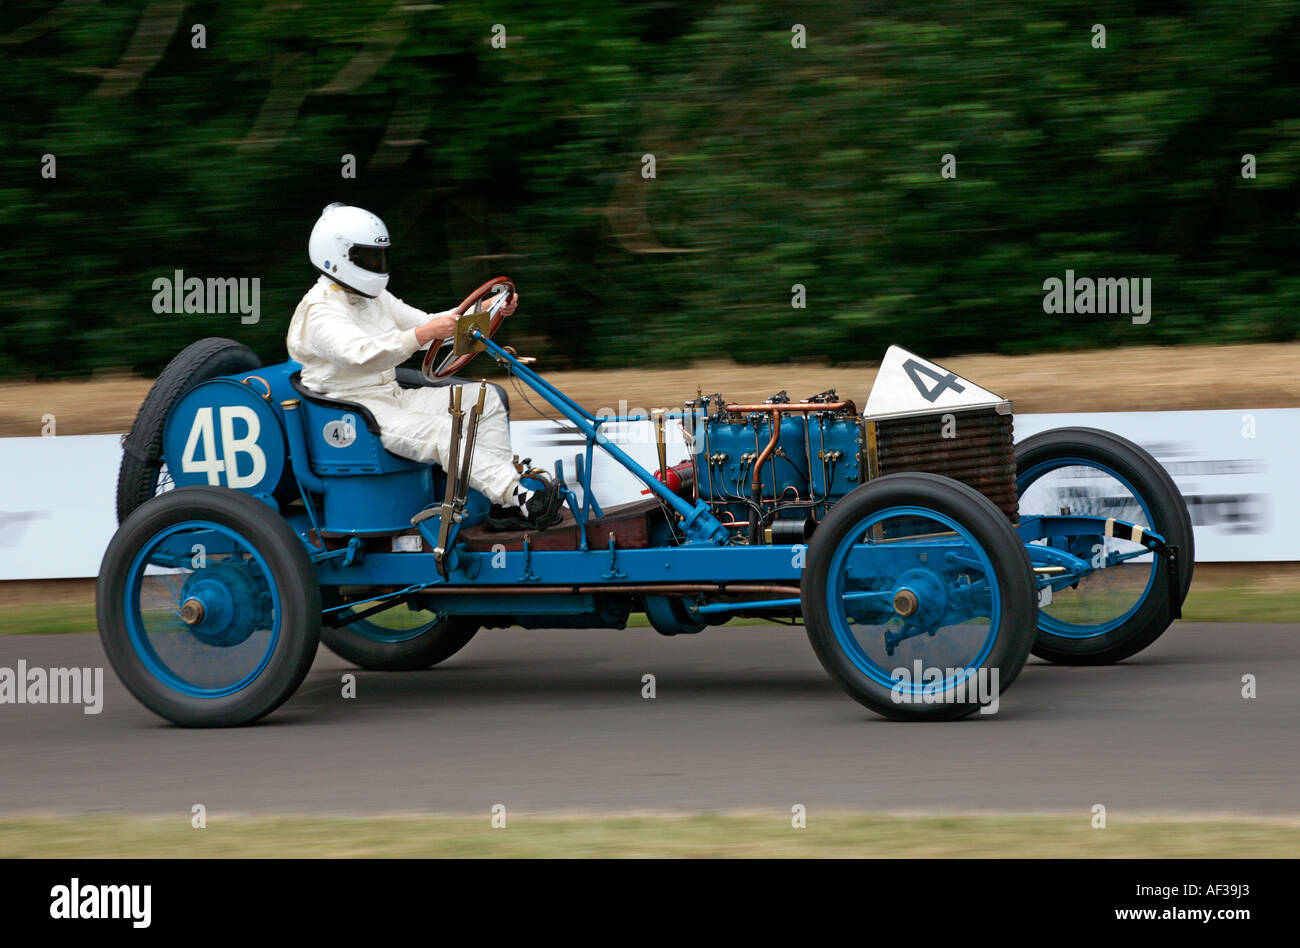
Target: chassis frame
469, 582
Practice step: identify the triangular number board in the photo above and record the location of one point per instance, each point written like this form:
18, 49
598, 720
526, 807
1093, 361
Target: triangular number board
909, 385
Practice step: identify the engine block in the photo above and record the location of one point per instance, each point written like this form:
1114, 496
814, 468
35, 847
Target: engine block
778, 460
773, 469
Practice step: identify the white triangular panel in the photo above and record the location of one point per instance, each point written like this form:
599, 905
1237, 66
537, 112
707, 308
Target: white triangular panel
909, 385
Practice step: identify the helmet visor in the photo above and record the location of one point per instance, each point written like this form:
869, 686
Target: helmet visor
374, 259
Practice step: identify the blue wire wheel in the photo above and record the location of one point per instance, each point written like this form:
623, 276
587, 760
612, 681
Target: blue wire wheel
406, 637
1130, 596
918, 597
392, 626
202, 611
208, 607
1124, 571
919, 560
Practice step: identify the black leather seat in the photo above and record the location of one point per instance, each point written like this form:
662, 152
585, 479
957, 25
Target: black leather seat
406, 378
361, 411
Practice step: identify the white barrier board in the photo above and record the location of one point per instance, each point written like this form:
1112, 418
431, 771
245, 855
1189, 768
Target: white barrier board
58, 504
1237, 470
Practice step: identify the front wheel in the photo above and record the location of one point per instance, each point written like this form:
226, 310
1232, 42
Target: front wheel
1118, 610
919, 598
208, 607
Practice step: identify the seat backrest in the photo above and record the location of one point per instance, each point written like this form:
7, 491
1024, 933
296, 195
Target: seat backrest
343, 437
343, 441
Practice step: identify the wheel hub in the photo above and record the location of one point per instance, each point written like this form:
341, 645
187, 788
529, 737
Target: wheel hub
192, 611
920, 597
905, 602
222, 604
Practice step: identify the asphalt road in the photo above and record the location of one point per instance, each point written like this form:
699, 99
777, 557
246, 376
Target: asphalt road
744, 718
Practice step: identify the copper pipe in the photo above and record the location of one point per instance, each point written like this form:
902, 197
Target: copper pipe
757, 483
721, 588
265, 384
790, 406
776, 410
652, 588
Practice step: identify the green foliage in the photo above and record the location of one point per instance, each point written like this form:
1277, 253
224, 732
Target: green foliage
774, 166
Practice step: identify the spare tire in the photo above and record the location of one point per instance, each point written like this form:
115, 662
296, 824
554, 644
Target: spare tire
138, 478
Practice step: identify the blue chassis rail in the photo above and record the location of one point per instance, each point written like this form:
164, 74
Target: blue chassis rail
695, 560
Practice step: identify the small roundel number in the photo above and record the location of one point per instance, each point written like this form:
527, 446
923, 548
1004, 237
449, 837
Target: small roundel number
341, 433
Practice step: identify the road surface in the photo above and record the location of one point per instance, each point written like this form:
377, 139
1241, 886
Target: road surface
744, 718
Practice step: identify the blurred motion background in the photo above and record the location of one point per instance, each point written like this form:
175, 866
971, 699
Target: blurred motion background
774, 166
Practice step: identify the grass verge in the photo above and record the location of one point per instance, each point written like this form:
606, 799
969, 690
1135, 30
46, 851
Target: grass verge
601, 835
46, 620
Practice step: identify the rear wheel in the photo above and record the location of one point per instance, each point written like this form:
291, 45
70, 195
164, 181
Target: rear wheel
399, 639
208, 607
918, 597
668, 615
143, 473
1117, 611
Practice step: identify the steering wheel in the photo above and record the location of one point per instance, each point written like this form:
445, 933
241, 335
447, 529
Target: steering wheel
454, 363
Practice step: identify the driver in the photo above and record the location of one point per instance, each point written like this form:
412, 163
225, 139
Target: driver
349, 333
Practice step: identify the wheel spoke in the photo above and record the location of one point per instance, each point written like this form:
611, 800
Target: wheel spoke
1124, 572
206, 630
915, 586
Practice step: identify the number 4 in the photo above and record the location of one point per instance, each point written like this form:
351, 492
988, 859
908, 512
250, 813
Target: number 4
942, 383
201, 430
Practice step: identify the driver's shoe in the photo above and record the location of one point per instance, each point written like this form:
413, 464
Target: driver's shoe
540, 509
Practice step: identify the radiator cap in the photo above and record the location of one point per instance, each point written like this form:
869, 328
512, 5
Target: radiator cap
909, 385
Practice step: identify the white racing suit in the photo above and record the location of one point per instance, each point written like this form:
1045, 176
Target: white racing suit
349, 347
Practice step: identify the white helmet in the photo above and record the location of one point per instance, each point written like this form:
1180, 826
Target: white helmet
350, 246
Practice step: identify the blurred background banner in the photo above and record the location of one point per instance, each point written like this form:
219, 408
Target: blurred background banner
57, 503
57, 494
662, 179
1236, 471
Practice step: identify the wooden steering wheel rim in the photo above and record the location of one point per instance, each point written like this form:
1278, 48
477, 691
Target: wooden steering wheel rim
458, 363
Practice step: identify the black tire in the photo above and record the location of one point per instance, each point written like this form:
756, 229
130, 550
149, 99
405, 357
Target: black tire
1171, 520
295, 582
436, 644
137, 480
668, 615
990, 529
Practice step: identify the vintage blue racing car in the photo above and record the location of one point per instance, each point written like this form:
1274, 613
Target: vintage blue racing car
924, 552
